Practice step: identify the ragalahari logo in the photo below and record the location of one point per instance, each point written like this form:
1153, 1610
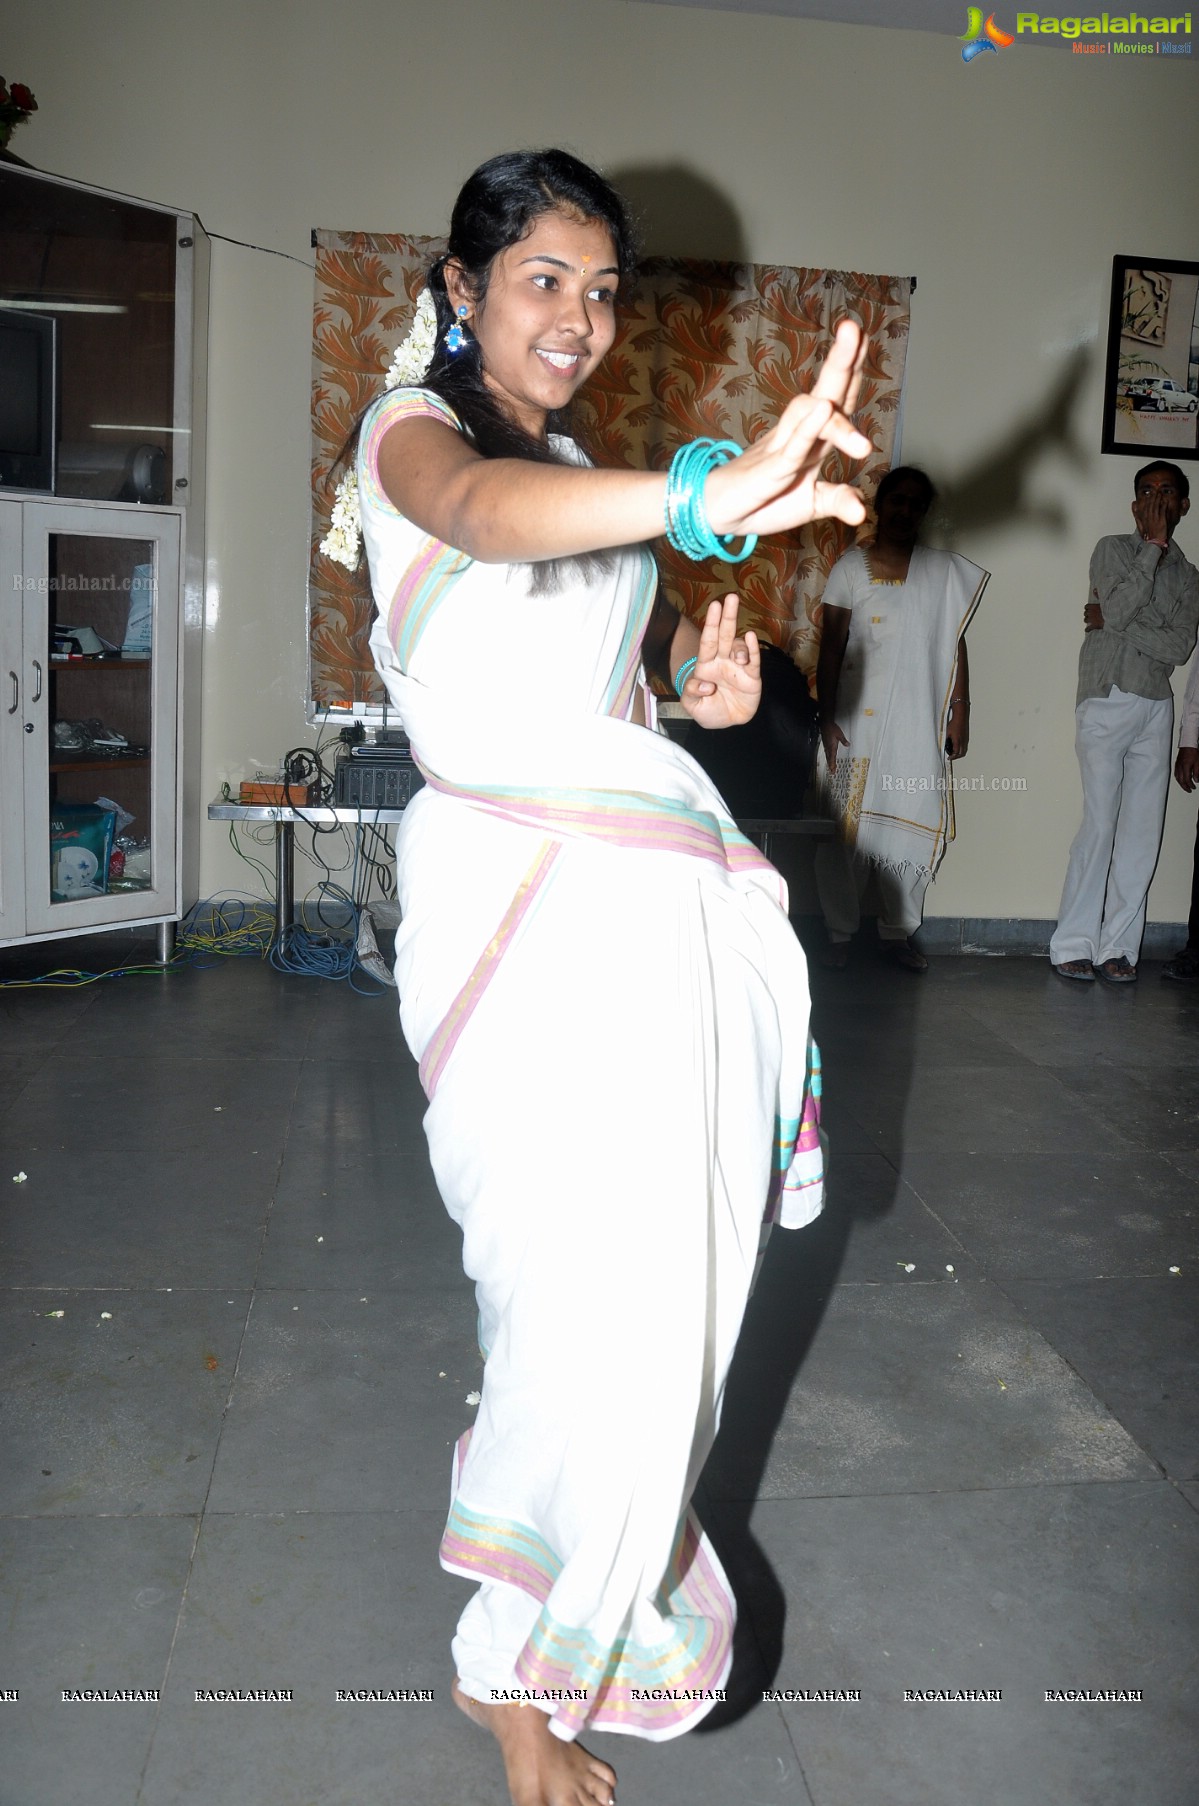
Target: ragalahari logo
978, 37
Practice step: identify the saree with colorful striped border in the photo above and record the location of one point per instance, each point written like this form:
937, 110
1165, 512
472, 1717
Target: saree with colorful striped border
610, 1012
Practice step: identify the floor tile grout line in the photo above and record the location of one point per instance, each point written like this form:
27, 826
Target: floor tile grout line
1102, 1402
216, 1447
200, 1521
1161, 1478
437, 1512
712, 1522
441, 1289
1169, 1158
978, 1260
986, 1274
924, 1203
250, 1512
12, 1103
803, 1774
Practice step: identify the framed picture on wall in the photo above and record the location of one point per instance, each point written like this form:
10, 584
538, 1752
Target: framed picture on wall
1151, 400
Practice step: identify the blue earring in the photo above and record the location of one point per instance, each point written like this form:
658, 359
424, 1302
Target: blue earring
455, 338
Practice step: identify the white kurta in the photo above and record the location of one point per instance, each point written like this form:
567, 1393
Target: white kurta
610, 1009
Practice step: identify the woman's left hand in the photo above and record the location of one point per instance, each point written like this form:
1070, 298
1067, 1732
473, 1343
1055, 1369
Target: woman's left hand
725, 686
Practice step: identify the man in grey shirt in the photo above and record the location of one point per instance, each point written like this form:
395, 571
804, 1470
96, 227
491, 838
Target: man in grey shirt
1140, 621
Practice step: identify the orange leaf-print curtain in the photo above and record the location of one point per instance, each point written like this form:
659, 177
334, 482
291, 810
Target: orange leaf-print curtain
702, 349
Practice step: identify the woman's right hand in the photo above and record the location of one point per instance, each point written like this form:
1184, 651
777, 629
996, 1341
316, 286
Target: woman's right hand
776, 485
831, 738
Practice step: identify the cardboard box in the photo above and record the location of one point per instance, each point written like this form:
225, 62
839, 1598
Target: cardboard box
294, 796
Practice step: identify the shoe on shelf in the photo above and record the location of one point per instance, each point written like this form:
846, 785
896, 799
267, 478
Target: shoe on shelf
902, 953
1117, 971
69, 736
1184, 967
1081, 970
101, 736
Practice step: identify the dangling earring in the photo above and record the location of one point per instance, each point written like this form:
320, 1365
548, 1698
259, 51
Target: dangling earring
456, 337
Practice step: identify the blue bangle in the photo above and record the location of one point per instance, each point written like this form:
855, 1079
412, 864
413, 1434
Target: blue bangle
683, 673
687, 525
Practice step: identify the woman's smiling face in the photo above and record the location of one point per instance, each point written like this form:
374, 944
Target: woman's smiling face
548, 317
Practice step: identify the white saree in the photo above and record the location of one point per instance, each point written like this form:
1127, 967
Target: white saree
610, 1011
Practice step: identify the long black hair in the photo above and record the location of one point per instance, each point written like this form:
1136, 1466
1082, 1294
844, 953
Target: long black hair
495, 209
902, 473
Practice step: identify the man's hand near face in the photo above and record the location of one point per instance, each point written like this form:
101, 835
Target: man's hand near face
1157, 506
1154, 516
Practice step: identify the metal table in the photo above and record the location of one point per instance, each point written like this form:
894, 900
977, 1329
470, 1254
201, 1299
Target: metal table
285, 819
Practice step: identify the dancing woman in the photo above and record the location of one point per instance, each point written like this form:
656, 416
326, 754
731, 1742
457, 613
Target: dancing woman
596, 970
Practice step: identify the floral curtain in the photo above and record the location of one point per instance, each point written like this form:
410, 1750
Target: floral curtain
712, 349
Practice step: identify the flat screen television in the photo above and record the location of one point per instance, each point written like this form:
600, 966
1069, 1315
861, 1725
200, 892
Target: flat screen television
28, 399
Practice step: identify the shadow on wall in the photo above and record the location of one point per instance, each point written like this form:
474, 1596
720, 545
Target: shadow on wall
995, 490
679, 213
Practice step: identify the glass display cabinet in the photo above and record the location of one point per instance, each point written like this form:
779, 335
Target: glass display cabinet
102, 327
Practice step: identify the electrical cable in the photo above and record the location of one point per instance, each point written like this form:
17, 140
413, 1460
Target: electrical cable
298, 950
255, 865
237, 929
380, 861
72, 978
268, 250
244, 927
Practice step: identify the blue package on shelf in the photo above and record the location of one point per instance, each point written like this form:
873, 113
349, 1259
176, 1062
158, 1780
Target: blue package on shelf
81, 837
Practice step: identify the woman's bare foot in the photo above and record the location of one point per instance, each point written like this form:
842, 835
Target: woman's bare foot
541, 1769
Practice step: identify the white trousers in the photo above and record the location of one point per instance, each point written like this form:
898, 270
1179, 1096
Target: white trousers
1124, 744
841, 880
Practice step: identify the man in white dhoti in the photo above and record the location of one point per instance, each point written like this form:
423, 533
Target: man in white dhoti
596, 970
893, 687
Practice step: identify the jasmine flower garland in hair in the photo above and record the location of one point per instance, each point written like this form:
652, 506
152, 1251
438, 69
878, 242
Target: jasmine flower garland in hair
413, 357
343, 542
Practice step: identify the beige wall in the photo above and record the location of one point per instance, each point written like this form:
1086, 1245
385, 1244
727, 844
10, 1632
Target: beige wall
1005, 187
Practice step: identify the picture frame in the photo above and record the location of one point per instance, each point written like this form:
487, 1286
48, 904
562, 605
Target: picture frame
1151, 393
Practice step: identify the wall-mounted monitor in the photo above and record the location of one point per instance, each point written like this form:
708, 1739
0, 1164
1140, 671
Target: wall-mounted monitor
28, 399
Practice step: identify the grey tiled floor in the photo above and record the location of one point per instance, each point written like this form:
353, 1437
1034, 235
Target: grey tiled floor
226, 1461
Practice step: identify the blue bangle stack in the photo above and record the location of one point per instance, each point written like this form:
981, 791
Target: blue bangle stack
682, 674
687, 526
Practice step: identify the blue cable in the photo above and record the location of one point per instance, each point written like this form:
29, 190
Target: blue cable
309, 955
